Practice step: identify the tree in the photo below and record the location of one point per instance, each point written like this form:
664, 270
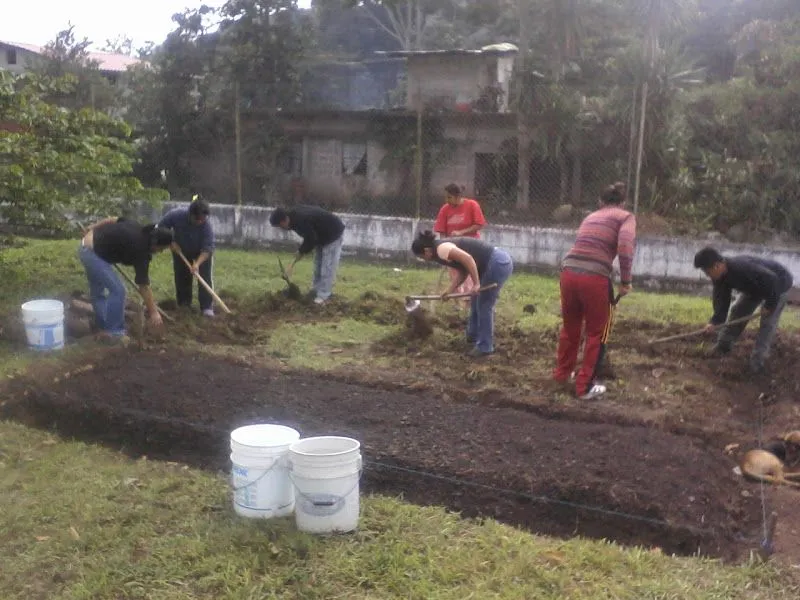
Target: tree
68, 55
215, 63
119, 45
55, 161
404, 21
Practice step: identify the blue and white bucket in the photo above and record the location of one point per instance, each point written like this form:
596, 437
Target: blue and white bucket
44, 324
261, 485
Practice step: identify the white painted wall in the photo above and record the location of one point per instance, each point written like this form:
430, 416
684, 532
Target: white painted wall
660, 262
25, 59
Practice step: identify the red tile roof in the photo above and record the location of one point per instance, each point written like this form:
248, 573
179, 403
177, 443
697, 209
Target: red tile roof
106, 61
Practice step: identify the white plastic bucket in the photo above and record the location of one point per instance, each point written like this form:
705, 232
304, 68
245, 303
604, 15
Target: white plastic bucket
44, 324
325, 472
259, 476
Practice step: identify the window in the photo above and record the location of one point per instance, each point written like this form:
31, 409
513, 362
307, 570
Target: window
495, 175
354, 158
11, 56
291, 158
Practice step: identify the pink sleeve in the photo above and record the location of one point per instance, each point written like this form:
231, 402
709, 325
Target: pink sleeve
477, 214
440, 226
626, 246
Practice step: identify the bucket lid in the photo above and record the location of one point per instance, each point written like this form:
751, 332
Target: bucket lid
264, 435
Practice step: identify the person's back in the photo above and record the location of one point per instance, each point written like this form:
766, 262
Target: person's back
602, 236
121, 242
326, 226
742, 267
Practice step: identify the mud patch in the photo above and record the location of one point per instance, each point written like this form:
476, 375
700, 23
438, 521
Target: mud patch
631, 484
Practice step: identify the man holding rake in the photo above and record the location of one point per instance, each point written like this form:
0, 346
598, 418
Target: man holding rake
757, 280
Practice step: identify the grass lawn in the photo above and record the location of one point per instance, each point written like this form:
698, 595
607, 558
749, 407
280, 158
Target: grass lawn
82, 522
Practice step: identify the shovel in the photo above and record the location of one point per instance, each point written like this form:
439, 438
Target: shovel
414, 302
292, 289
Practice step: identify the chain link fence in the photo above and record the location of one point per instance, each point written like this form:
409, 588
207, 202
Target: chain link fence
537, 154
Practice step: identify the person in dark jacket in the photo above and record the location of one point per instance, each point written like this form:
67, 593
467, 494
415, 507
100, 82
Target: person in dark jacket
195, 238
119, 241
758, 280
485, 265
320, 230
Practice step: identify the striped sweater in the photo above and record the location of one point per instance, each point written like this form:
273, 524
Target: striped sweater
603, 235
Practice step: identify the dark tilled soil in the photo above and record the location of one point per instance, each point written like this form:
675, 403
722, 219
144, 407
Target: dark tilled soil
677, 493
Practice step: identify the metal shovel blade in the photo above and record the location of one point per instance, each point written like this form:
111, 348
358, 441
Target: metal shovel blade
412, 305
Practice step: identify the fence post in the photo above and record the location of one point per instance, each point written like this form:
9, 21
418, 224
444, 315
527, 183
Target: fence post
238, 135
418, 158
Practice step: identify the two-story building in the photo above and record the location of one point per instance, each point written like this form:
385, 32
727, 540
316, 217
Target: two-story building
343, 158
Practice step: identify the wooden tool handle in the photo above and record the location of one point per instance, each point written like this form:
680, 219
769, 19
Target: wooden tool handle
461, 295
136, 287
681, 336
202, 281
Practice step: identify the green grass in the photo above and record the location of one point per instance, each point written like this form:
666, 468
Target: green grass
324, 345
82, 522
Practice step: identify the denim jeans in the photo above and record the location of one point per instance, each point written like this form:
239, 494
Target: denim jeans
745, 305
326, 262
480, 327
109, 310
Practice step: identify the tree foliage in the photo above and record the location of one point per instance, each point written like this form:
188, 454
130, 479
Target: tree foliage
56, 161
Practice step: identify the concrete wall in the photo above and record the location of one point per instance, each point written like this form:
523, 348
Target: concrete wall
661, 263
323, 137
25, 59
457, 78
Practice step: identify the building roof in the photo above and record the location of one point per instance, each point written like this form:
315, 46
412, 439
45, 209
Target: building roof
106, 61
491, 50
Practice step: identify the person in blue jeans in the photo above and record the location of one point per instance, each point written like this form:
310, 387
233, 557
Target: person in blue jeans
194, 236
120, 241
322, 231
486, 265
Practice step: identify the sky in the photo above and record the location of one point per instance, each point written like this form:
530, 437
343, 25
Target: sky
98, 20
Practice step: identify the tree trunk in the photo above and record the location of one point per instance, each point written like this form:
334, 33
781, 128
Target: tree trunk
640, 150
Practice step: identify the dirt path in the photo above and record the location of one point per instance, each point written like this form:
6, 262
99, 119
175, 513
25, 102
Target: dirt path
678, 493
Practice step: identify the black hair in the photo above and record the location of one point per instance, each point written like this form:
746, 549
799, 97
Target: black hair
160, 237
614, 194
707, 258
776, 447
277, 217
199, 207
453, 189
425, 239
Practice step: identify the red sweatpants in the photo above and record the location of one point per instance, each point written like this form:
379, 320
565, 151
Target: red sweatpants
584, 298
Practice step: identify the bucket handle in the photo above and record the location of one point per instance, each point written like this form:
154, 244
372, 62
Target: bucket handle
259, 478
332, 503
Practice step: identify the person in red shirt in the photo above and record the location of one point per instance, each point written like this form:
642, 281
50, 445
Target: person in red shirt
587, 293
459, 217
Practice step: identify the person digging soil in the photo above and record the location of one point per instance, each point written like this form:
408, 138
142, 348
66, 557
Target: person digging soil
758, 280
486, 265
113, 241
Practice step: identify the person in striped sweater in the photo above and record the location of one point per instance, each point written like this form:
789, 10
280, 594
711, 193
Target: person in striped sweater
587, 291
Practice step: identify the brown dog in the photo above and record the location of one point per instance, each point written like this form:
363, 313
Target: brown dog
767, 464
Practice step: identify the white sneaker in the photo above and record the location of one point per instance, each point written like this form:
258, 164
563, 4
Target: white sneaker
595, 391
208, 312
319, 300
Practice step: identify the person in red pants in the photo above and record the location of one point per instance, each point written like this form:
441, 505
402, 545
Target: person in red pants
587, 292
